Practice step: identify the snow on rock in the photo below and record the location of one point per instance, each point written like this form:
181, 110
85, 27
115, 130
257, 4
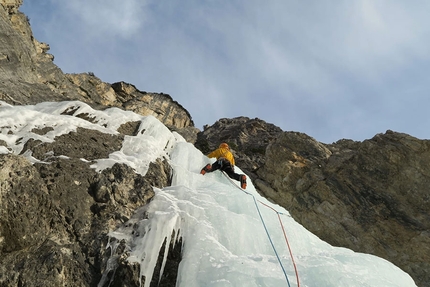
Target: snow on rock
230, 236
225, 242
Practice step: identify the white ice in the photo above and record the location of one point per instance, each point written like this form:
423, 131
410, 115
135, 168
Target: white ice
225, 242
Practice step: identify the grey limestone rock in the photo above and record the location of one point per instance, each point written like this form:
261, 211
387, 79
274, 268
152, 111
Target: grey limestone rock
369, 196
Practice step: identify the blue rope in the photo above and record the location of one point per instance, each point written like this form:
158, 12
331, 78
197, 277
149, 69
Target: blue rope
265, 227
271, 242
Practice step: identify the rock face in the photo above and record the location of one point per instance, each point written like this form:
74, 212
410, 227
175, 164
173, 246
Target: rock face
247, 138
369, 196
55, 214
29, 76
160, 106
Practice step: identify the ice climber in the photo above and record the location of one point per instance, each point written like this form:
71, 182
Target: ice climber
224, 162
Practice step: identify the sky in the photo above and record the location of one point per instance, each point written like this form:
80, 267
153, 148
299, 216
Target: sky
230, 236
331, 69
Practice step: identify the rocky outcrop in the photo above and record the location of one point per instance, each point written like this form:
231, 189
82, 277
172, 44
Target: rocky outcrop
247, 138
55, 214
369, 196
28, 75
11, 5
159, 105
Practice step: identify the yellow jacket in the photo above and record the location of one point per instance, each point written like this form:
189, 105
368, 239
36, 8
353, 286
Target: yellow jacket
223, 152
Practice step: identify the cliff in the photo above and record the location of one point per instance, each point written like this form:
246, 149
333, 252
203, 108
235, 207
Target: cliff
29, 76
368, 196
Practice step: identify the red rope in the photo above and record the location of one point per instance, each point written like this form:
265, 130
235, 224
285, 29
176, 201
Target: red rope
282, 225
288, 244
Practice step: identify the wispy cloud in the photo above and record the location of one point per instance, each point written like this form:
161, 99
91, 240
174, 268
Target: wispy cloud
119, 18
320, 67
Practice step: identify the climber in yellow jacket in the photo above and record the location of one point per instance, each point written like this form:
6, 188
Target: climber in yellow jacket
224, 162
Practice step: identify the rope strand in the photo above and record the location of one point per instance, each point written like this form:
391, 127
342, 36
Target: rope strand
271, 242
286, 240
268, 235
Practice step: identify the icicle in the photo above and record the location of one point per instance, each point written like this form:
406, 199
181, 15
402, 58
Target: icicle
112, 262
169, 240
145, 233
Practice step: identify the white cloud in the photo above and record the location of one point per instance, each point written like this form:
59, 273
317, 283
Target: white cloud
323, 66
121, 18
382, 37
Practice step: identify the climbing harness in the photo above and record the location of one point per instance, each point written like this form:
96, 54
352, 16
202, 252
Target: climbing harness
268, 235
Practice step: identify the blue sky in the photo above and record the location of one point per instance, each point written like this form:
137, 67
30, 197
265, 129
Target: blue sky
330, 69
